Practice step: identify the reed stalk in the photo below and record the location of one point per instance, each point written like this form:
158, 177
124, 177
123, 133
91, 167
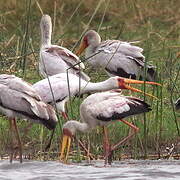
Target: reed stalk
159, 36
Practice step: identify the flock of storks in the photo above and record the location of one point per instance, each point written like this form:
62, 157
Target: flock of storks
122, 61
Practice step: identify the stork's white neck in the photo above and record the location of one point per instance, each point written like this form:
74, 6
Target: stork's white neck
74, 126
106, 85
90, 50
46, 31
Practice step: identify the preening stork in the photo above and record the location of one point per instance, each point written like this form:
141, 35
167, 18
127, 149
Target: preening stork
64, 87
101, 109
19, 99
56, 59
177, 104
118, 58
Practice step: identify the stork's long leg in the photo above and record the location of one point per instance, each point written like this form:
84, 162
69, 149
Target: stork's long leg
65, 116
11, 132
136, 129
106, 145
19, 140
85, 149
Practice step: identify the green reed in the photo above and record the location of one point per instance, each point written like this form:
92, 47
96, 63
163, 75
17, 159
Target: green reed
158, 34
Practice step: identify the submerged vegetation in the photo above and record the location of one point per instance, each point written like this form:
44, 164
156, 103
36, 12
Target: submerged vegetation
155, 24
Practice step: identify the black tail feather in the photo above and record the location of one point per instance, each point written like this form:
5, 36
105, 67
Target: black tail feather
152, 73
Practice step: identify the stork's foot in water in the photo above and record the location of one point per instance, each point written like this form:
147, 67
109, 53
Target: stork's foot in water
108, 158
15, 132
110, 148
19, 140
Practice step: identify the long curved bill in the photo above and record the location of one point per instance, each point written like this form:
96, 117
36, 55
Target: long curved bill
123, 84
66, 143
81, 48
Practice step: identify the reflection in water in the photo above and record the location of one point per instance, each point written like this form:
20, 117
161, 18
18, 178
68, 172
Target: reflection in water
130, 169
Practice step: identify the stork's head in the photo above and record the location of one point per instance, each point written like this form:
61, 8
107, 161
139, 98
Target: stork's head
46, 23
68, 133
92, 38
46, 29
123, 83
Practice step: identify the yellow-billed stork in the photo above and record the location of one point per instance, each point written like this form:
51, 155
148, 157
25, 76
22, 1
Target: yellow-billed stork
116, 57
60, 88
101, 109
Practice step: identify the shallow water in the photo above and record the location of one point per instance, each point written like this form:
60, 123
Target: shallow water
130, 169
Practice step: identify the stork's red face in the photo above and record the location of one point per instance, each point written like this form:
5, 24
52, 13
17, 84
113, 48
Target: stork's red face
123, 84
83, 45
66, 143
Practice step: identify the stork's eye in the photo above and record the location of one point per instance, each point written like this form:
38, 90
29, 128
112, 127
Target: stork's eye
85, 40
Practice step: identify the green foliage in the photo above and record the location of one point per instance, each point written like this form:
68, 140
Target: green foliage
154, 23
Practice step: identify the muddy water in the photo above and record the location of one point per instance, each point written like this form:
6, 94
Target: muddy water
130, 169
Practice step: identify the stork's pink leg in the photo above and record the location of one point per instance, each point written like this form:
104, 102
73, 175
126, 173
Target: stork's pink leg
11, 132
106, 145
136, 129
19, 140
85, 149
65, 116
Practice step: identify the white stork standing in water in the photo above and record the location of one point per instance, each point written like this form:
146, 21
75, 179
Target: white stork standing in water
64, 86
56, 59
118, 58
101, 109
177, 104
19, 99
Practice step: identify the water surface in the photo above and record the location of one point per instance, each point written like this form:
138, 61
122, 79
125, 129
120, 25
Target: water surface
129, 169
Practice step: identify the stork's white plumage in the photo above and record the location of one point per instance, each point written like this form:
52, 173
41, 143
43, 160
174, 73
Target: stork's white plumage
100, 109
118, 58
56, 59
62, 89
19, 99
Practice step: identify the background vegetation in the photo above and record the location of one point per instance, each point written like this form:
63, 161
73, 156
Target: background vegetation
155, 23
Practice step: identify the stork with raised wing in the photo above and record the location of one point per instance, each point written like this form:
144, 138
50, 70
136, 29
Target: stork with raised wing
18, 99
101, 109
56, 59
116, 57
